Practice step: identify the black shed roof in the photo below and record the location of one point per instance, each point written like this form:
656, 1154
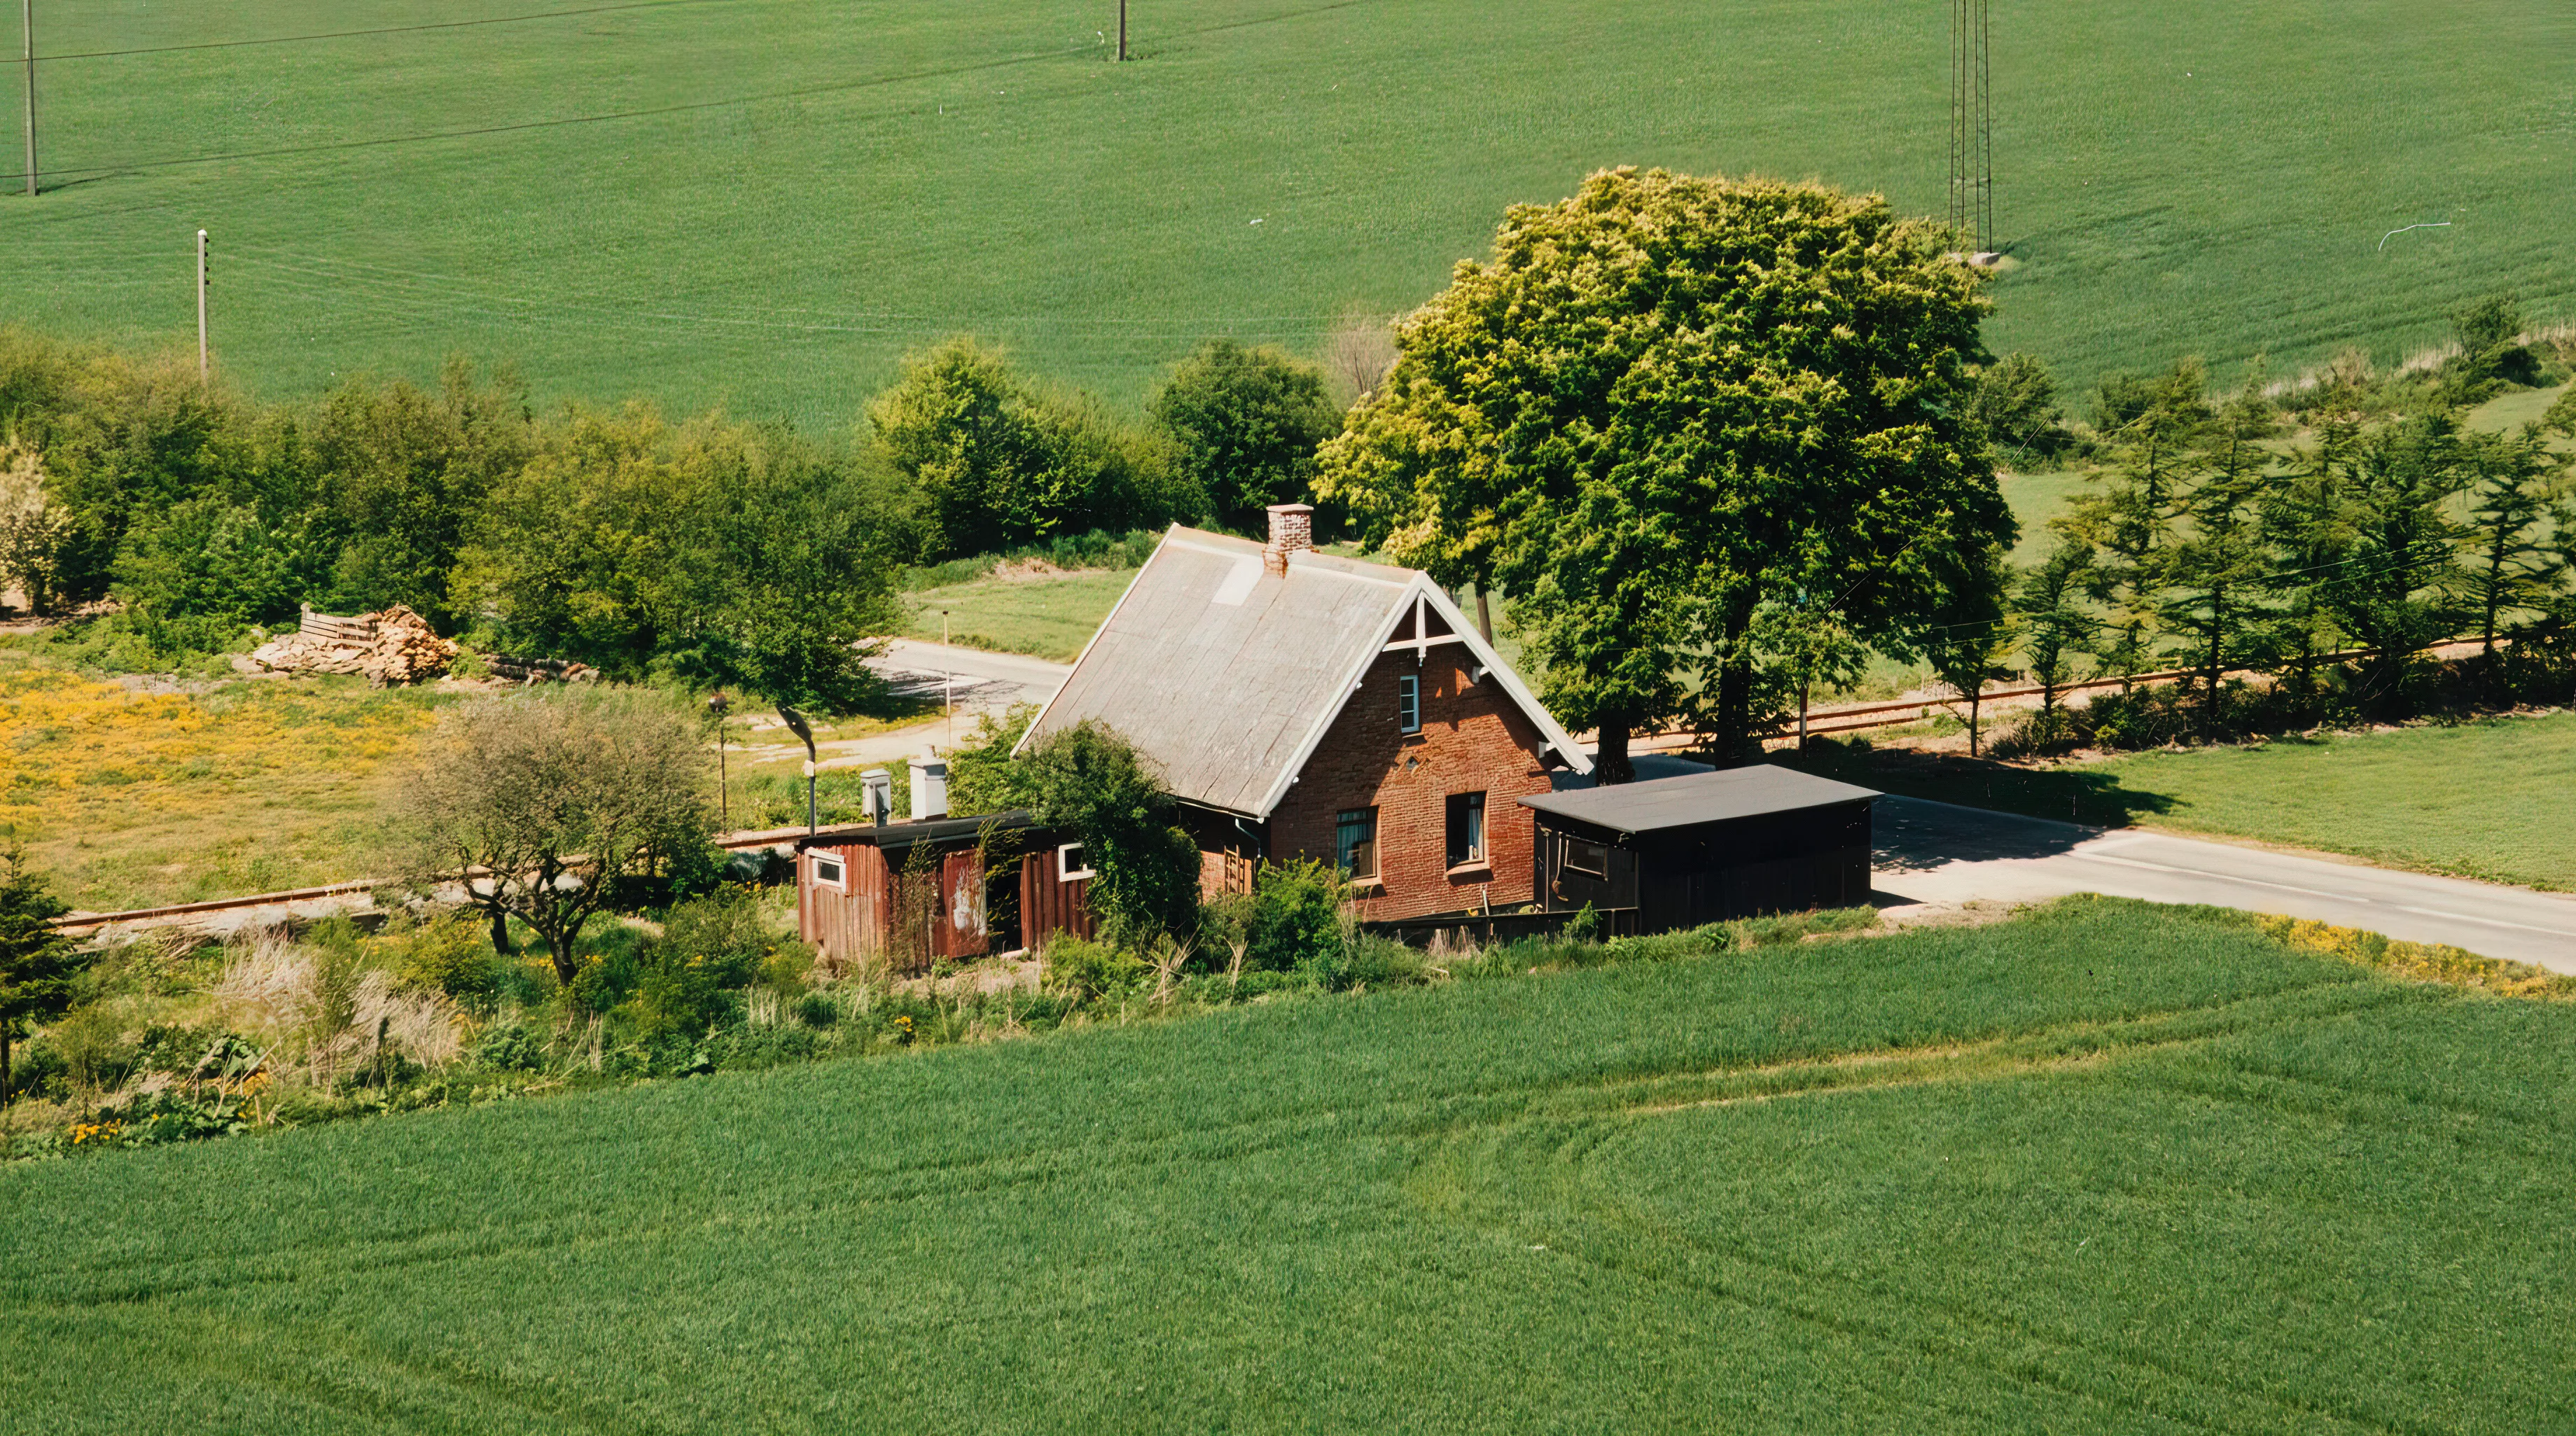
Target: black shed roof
904, 835
1664, 803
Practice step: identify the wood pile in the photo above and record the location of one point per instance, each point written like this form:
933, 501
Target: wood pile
395, 646
542, 670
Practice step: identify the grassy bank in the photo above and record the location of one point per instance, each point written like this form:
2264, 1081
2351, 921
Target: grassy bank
2484, 799
764, 203
2109, 1168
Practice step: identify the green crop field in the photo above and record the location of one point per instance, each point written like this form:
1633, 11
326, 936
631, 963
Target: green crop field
2106, 1168
765, 202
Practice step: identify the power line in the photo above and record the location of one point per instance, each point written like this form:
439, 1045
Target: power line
383, 30
805, 92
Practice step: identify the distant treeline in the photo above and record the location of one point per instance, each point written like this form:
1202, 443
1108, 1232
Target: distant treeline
709, 550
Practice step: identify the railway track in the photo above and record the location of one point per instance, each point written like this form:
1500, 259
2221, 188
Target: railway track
92, 921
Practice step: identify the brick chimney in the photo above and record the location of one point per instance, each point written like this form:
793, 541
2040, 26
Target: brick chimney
1292, 530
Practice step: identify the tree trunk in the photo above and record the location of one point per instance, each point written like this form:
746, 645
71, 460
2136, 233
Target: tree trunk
1803, 688
1610, 763
501, 934
1976, 695
5, 1091
1484, 614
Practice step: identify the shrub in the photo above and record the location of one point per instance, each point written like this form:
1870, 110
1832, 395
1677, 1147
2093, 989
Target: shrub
1294, 920
1087, 970
452, 956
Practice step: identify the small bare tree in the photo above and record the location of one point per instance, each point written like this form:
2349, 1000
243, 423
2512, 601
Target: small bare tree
542, 801
1360, 354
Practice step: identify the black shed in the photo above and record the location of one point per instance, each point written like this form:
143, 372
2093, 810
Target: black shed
1674, 853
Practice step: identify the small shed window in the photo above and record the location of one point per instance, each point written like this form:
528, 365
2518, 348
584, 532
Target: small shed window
1466, 829
829, 872
1408, 702
1355, 842
1069, 867
1582, 855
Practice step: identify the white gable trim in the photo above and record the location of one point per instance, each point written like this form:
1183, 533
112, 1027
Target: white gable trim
1088, 643
1422, 589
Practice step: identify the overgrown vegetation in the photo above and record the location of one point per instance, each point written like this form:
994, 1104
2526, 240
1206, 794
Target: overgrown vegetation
2096, 1111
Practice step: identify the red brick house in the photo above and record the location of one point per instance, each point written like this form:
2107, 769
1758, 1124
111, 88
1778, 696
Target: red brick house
1303, 705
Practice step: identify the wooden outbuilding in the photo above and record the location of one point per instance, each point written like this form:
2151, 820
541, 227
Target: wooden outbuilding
913, 893
1675, 853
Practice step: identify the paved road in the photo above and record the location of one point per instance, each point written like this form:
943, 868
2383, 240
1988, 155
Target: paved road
981, 680
1939, 853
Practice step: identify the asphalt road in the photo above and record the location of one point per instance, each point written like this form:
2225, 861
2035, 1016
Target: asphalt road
1940, 853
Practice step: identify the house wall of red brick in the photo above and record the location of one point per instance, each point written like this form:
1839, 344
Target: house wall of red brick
1473, 738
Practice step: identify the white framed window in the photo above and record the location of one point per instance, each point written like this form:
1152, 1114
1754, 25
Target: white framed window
1069, 867
1355, 843
831, 873
1408, 702
1582, 855
1466, 829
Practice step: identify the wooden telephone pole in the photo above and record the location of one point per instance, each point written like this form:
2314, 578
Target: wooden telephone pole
201, 309
27, 15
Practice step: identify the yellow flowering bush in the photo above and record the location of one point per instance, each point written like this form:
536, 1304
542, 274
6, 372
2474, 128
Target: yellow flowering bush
2421, 961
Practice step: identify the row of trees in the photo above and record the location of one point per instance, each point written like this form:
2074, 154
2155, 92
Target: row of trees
2202, 546
711, 550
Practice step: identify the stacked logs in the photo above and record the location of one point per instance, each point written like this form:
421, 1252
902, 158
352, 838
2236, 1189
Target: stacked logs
395, 646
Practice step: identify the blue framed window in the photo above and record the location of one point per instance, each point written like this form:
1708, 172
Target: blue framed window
1408, 702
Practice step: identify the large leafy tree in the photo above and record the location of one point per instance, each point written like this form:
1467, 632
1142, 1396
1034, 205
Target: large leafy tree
716, 552
1663, 402
1246, 424
1001, 462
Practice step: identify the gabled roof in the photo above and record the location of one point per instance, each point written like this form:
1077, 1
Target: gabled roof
1686, 802
1227, 676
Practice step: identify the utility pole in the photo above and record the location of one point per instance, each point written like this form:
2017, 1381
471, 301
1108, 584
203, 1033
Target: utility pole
1972, 125
202, 372
1122, 56
27, 14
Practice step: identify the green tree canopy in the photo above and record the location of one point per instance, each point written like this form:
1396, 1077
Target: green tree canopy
37, 963
1087, 780
717, 552
1000, 462
1670, 398
1246, 424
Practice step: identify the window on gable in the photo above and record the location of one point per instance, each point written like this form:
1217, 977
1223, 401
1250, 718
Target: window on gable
1466, 829
1408, 702
1355, 843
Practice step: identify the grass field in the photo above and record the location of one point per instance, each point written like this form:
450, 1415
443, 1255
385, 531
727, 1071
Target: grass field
765, 202
131, 798
1051, 617
2479, 800
2108, 1168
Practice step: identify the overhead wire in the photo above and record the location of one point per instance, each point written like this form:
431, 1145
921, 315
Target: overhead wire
379, 30
648, 112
